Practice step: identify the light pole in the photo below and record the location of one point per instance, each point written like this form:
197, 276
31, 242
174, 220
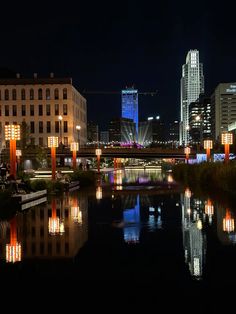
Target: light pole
53, 143
226, 140
78, 128
98, 153
12, 133
208, 144
60, 118
74, 147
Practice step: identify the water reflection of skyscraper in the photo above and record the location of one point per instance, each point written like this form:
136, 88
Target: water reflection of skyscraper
37, 242
131, 219
194, 241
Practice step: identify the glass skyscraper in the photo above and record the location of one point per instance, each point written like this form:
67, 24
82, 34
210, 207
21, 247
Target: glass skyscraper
130, 107
192, 85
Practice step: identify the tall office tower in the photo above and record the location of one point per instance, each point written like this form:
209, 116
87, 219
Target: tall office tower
130, 106
192, 85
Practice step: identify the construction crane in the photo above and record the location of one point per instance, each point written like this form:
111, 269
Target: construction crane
151, 93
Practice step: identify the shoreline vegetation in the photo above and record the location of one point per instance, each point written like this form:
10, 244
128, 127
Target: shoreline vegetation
214, 179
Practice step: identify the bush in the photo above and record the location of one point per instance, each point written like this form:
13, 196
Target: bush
85, 178
38, 185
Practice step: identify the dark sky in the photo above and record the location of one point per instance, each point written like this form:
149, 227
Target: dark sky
108, 45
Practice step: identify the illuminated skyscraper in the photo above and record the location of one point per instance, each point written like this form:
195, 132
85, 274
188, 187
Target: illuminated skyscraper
130, 106
192, 85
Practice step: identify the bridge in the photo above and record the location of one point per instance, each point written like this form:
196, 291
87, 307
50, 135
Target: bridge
140, 153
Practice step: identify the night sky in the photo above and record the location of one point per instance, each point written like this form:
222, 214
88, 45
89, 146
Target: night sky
105, 46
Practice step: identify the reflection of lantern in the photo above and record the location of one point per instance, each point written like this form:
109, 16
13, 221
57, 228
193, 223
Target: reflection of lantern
226, 140
99, 193
55, 225
13, 250
98, 153
12, 133
170, 178
187, 151
199, 224
76, 214
187, 193
53, 143
208, 144
74, 147
228, 222
209, 208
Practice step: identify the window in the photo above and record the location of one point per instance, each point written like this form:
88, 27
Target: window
32, 141
47, 93
31, 126
31, 94
23, 110
65, 109
56, 126
41, 141
40, 94
65, 127
66, 141
40, 110
48, 110
32, 110
40, 126
14, 110
56, 93
56, 110
64, 93
23, 94
7, 110
48, 127
14, 94
6, 94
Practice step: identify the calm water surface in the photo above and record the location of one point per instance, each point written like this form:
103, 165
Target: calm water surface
143, 240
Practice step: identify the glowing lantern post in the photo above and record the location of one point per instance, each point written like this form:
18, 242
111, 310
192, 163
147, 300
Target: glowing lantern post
208, 145
55, 226
13, 249
226, 140
74, 147
187, 151
53, 143
98, 153
12, 133
228, 222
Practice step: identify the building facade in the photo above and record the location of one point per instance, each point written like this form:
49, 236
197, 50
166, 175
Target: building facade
122, 130
151, 131
104, 137
192, 85
39, 102
200, 120
92, 132
130, 106
223, 108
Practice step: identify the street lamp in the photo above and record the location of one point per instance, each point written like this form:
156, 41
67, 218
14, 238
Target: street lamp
53, 143
74, 147
98, 153
60, 118
12, 133
208, 144
226, 140
187, 151
78, 128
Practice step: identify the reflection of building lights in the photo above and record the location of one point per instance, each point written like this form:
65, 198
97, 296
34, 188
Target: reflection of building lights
62, 227
187, 193
228, 222
13, 253
209, 208
99, 193
199, 224
76, 214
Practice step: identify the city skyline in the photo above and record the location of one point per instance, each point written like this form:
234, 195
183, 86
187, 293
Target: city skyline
109, 48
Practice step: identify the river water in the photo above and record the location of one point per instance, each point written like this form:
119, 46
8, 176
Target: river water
143, 238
